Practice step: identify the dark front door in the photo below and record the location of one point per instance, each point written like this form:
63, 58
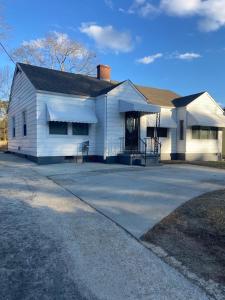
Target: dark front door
132, 121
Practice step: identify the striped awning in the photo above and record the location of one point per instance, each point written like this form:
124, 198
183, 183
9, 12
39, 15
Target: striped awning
125, 106
74, 113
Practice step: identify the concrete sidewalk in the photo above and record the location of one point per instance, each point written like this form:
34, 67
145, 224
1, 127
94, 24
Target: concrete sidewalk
53, 246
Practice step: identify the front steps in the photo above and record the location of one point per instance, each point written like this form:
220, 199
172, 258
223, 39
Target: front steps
138, 159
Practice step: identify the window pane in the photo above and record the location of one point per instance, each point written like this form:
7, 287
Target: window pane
162, 132
57, 127
213, 133
24, 129
24, 117
181, 129
80, 128
24, 123
13, 127
150, 132
196, 132
204, 133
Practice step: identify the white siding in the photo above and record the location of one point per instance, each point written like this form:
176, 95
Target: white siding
173, 132
61, 145
168, 144
100, 108
115, 130
200, 149
23, 98
181, 115
104, 137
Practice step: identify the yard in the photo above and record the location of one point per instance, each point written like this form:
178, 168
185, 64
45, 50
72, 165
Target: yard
195, 235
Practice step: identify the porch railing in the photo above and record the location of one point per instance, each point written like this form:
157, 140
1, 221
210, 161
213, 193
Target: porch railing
149, 145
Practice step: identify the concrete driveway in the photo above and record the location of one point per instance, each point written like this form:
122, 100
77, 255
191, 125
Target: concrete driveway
135, 197
54, 246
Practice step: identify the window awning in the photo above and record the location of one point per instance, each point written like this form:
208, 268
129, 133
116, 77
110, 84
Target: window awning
125, 106
74, 113
166, 121
205, 119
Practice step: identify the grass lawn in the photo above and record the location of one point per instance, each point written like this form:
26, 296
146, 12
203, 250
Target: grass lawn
212, 164
195, 235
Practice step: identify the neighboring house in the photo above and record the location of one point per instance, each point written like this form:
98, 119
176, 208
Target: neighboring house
57, 116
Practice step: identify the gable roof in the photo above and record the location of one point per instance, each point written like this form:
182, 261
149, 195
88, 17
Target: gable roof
50, 80
184, 101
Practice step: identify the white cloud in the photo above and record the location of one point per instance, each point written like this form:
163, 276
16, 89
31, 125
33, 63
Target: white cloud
149, 59
180, 7
141, 7
213, 12
188, 56
210, 12
107, 37
109, 3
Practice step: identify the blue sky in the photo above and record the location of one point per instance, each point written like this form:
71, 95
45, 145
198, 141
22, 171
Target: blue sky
172, 44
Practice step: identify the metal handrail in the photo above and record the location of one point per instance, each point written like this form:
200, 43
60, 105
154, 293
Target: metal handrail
153, 142
145, 149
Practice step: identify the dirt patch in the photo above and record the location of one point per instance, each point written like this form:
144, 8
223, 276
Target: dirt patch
195, 235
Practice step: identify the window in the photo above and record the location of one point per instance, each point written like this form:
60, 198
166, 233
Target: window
150, 132
161, 132
181, 130
58, 128
24, 115
204, 133
80, 129
13, 126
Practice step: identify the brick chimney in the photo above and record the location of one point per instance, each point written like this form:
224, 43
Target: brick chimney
103, 72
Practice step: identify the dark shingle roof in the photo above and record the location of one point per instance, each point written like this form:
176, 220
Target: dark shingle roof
45, 79
184, 101
50, 80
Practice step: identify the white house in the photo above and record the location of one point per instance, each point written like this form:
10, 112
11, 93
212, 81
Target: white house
57, 116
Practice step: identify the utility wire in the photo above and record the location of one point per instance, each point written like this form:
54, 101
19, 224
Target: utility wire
7, 53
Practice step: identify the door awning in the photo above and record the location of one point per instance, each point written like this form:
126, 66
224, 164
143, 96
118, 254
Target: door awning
74, 113
205, 119
166, 120
125, 106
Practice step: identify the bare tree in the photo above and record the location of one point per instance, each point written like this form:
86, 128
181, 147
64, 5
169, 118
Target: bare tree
5, 82
4, 27
57, 51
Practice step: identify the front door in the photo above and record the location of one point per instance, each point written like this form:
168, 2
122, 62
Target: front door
132, 124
